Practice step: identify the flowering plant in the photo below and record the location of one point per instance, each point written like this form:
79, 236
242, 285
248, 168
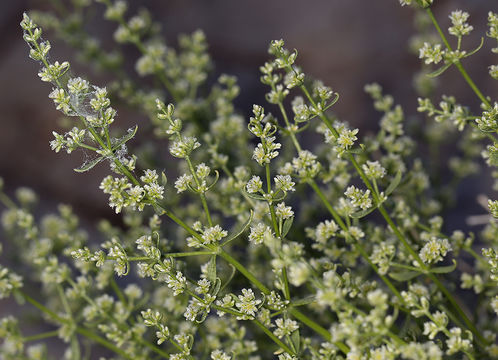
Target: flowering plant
333, 252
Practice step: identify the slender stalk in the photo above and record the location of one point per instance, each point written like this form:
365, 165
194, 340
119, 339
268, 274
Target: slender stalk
318, 329
244, 272
457, 63
395, 228
7, 201
92, 336
75, 347
201, 194
159, 73
89, 334
118, 291
274, 338
41, 336
395, 337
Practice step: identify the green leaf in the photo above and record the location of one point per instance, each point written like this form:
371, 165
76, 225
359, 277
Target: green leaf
217, 176
355, 151
229, 279
164, 179
439, 71
89, 165
216, 287
404, 275
296, 340
304, 301
287, 225
476, 49
241, 231
362, 213
124, 139
211, 270
394, 184
444, 269
254, 196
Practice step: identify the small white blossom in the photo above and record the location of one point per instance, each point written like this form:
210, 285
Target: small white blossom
374, 170
254, 185
284, 182
259, 232
285, 327
181, 184
459, 20
434, 250
283, 212
247, 304
213, 234
431, 54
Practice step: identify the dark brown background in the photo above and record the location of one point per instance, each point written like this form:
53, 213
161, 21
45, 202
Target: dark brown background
347, 43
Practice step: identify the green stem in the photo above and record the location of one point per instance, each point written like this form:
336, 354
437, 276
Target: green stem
92, 336
7, 201
457, 63
396, 230
395, 337
318, 329
159, 73
360, 248
274, 338
118, 291
41, 336
80, 330
285, 280
201, 194
244, 272
75, 347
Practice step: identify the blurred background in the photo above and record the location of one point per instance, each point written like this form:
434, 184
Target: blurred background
345, 43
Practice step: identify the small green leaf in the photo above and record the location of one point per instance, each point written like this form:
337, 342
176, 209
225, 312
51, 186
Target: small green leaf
164, 179
476, 49
404, 275
241, 231
362, 213
216, 287
336, 98
439, 71
394, 184
254, 196
356, 151
444, 269
232, 274
287, 225
217, 176
296, 340
304, 301
211, 270
89, 165
124, 139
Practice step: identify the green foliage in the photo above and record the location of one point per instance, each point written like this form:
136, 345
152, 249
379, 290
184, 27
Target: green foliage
285, 252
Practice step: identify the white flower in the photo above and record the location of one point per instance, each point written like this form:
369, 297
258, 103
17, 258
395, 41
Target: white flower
284, 212
284, 182
434, 250
181, 184
285, 327
254, 185
259, 232
213, 234
247, 304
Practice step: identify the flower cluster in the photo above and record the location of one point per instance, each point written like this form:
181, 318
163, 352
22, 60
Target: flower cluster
320, 251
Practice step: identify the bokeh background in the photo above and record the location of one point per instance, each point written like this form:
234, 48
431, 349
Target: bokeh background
345, 43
